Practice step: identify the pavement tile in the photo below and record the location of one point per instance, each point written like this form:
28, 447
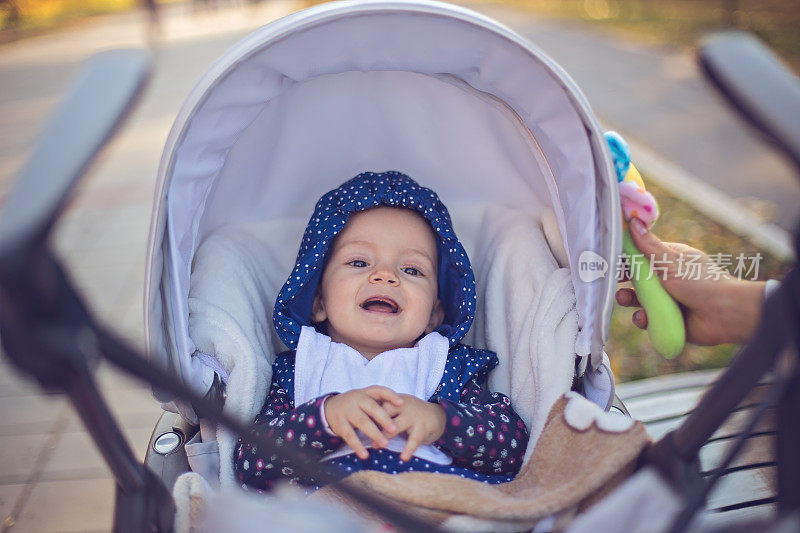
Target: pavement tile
126, 321
139, 437
102, 287
133, 315
77, 457
128, 223
111, 379
13, 382
8, 498
18, 456
127, 402
20, 415
115, 256
741, 486
78, 230
9, 165
132, 408
30, 415
68, 506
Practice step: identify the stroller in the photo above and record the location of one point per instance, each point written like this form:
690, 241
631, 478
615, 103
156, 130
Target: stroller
453, 99
437, 91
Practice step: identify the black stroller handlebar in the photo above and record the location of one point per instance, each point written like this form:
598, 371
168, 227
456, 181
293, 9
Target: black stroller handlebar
758, 84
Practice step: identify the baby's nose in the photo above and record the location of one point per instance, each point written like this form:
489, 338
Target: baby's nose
380, 276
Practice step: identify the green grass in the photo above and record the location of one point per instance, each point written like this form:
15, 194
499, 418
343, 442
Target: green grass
632, 356
684, 22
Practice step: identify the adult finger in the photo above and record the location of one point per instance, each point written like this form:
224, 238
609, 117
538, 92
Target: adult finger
377, 413
365, 424
684, 249
376, 392
640, 319
349, 436
647, 242
627, 298
413, 442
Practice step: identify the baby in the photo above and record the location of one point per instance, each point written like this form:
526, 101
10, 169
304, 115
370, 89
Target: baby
374, 310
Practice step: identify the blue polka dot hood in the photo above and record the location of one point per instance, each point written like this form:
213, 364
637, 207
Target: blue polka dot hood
370, 189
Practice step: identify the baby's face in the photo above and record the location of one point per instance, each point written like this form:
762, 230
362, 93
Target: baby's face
379, 289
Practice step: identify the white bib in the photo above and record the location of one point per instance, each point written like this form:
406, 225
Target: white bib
323, 366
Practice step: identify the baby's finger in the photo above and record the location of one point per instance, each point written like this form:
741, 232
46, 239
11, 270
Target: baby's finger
640, 319
378, 414
402, 425
349, 436
378, 393
391, 409
365, 424
412, 444
627, 298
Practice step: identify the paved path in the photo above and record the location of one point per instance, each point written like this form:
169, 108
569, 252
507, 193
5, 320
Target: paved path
51, 477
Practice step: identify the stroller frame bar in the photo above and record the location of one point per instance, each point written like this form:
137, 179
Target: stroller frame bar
132, 362
58, 344
49, 333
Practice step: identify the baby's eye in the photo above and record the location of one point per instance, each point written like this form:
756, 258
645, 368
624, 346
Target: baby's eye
358, 263
411, 271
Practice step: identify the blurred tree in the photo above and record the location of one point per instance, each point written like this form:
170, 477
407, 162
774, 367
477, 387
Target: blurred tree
11, 18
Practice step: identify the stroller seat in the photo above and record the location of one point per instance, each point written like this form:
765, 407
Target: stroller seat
449, 97
526, 312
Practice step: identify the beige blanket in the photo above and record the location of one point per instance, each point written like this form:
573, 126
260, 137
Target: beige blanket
581, 454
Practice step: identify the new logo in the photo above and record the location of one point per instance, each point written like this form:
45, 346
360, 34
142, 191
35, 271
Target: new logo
591, 266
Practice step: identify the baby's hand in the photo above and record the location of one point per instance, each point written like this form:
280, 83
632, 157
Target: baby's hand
362, 409
422, 421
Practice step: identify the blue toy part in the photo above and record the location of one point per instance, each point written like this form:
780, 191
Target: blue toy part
620, 153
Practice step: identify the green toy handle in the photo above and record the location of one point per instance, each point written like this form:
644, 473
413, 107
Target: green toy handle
664, 318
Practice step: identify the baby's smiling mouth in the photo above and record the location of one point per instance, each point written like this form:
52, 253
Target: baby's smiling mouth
380, 304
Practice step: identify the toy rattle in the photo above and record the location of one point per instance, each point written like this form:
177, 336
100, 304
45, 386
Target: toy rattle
664, 319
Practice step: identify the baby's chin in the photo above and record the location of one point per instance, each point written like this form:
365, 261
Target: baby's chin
372, 339
380, 347
370, 347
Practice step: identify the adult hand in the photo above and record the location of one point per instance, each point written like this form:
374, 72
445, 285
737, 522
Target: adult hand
362, 410
422, 422
717, 308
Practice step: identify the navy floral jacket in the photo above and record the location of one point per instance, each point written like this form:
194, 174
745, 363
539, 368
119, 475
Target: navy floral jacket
484, 436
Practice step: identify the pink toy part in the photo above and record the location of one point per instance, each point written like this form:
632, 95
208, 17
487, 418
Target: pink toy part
637, 202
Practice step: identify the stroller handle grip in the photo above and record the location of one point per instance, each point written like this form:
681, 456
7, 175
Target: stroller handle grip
104, 93
758, 84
